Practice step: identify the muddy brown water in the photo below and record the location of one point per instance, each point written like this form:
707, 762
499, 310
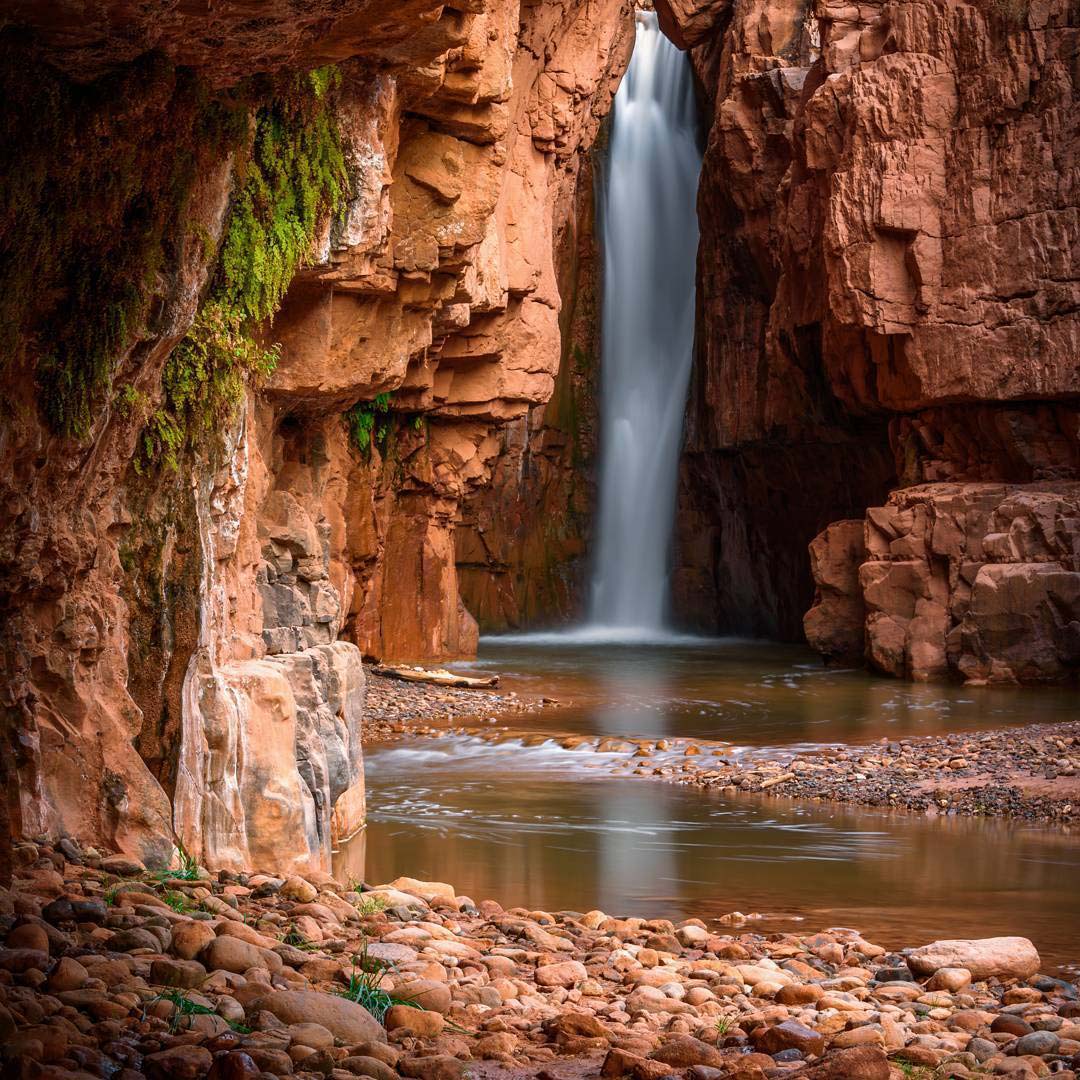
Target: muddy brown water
549, 828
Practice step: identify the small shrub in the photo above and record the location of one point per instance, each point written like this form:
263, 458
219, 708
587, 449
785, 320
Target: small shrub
367, 906
185, 1009
180, 903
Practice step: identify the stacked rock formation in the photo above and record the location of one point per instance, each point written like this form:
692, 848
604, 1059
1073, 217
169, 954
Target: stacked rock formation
107, 971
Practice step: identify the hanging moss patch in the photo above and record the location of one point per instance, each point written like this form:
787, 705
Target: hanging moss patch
293, 177
95, 186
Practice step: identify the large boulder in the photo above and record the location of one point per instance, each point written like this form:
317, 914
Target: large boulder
985, 958
346, 1020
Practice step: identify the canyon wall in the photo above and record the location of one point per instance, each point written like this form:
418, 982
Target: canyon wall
889, 299
182, 639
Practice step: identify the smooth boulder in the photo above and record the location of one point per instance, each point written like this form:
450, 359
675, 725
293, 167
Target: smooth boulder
985, 958
346, 1020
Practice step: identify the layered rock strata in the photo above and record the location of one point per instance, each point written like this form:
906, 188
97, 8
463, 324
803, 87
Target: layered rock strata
888, 289
214, 620
976, 580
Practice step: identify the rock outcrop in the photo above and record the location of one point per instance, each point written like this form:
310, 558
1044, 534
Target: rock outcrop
975, 580
214, 619
889, 284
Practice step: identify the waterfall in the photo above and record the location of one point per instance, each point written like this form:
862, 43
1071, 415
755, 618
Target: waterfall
648, 228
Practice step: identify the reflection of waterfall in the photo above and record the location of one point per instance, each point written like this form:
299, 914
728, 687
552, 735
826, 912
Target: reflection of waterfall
649, 233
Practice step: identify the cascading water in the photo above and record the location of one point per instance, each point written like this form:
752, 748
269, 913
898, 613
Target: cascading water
648, 226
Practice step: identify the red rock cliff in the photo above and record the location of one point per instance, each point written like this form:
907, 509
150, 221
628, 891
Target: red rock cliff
889, 286
181, 649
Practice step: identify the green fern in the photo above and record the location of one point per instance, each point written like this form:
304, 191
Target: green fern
364, 423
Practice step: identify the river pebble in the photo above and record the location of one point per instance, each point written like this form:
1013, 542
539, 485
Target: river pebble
456, 988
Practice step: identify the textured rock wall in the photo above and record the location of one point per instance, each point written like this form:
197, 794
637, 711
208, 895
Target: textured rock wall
521, 543
889, 269
182, 652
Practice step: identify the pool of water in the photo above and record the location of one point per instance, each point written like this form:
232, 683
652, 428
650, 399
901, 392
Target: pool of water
550, 828
747, 692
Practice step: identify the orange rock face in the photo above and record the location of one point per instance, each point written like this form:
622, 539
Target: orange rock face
888, 269
976, 580
216, 622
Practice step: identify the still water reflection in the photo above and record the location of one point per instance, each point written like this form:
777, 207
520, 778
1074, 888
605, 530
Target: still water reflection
749, 692
551, 828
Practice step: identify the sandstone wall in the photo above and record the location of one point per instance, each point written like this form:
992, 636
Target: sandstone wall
181, 653
889, 280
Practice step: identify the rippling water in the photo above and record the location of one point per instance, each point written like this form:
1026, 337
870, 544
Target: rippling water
552, 828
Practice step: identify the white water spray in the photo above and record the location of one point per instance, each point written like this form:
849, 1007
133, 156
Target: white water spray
648, 224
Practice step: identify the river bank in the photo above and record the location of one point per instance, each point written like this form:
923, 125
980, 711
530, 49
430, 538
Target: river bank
111, 971
1026, 773
395, 709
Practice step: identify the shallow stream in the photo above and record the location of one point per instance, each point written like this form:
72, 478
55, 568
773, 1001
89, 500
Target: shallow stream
551, 828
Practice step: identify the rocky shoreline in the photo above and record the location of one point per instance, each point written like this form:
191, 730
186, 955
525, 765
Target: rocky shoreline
112, 971
394, 709
1029, 773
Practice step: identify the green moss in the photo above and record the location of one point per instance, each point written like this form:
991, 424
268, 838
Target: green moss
368, 422
293, 177
95, 185
372, 423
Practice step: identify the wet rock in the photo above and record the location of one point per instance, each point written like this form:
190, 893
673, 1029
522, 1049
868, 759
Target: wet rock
179, 1063
234, 1065
788, 1035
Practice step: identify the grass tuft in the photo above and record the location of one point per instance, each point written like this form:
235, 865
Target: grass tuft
367, 906
363, 986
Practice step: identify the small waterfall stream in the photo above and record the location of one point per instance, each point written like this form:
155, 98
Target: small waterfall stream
648, 226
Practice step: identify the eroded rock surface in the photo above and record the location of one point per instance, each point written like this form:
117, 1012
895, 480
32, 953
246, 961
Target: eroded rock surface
888, 285
215, 619
980, 580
